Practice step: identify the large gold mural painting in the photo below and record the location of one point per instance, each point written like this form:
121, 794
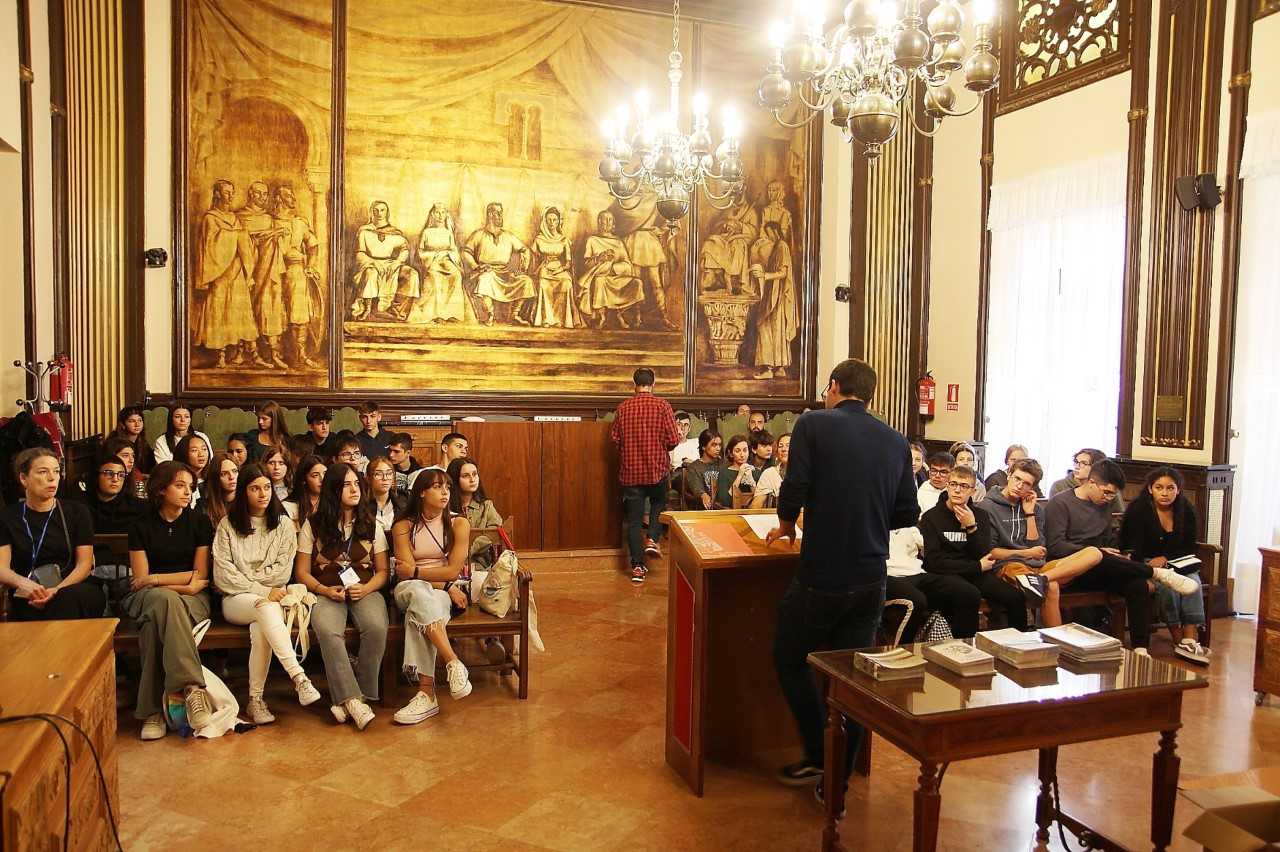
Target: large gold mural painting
475, 247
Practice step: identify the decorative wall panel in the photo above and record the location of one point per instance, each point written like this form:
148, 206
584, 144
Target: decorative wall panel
1053, 46
1266, 7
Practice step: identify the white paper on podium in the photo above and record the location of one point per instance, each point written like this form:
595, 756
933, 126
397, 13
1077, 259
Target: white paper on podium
761, 524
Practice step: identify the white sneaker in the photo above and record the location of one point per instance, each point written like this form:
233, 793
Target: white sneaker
258, 712
197, 706
421, 708
1190, 649
307, 694
359, 712
339, 712
1171, 579
154, 728
459, 685
1142, 652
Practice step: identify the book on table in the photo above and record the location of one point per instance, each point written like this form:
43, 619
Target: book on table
894, 664
1083, 644
959, 656
1018, 649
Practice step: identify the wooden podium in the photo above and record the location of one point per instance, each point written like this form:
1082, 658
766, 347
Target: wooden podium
723, 698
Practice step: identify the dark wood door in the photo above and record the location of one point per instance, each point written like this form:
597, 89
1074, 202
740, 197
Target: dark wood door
509, 456
581, 497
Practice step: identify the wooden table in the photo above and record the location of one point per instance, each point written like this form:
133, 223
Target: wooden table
943, 717
723, 701
65, 668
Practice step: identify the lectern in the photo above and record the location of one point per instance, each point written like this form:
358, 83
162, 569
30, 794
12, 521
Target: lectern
723, 698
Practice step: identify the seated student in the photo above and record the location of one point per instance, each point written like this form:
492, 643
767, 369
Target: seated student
276, 464
1081, 518
761, 444
372, 437
957, 542
400, 451
687, 450
467, 498
698, 478
46, 546
744, 410
1158, 526
966, 456
195, 451
316, 440
918, 468
169, 555
349, 452
178, 427
950, 595
932, 489
238, 449
755, 422
770, 483
342, 559
387, 504
736, 484
114, 510
304, 497
271, 433
997, 480
135, 480
253, 551
452, 446
221, 489
132, 429
431, 545
1084, 460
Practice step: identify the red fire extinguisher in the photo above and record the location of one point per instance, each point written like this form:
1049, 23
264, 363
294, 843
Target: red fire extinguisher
926, 393
60, 381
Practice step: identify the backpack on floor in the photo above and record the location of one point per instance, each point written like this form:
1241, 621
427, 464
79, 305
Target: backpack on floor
934, 629
499, 592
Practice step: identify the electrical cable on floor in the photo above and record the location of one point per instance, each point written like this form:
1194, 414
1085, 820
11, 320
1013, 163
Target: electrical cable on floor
52, 720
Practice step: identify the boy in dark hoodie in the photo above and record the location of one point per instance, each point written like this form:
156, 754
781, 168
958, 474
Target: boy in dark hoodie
958, 539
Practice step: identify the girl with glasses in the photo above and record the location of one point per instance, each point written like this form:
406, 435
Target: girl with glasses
387, 504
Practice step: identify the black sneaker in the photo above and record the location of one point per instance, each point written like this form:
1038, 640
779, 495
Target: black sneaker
799, 774
638, 573
822, 802
1034, 588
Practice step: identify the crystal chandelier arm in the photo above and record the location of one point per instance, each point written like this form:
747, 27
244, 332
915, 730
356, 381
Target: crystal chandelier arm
821, 103
814, 113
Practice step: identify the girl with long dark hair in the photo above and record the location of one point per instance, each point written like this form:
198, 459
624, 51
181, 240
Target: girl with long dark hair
467, 498
305, 496
271, 433
195, 451
177, 427
275, 463
220, 491
132, 428
387, 504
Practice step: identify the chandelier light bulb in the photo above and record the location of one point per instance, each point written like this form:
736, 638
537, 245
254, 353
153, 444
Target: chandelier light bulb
887, 15
984, 11
731, 123
642, 103
815, 13
778, 32
607, 130
700, 104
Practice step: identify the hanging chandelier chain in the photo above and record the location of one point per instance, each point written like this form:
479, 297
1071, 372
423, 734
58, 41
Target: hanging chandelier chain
675, 26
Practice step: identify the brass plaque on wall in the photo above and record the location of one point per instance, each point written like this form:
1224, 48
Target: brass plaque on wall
1171, 408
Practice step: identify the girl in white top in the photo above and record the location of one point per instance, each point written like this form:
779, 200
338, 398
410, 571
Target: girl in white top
430, 549
382, 479
178, 427
276, 466
195, 451
770, 483
253, 552
305, 496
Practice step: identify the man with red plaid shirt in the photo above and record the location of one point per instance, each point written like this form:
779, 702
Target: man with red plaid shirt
645, 431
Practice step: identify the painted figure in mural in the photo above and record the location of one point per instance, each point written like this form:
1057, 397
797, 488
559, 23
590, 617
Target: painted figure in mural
777, 320
387, 284
443, 298
267, 272
724, 255
646, 242
776, 210
610, 287
498, 260
223, 312
303, 299
556, 306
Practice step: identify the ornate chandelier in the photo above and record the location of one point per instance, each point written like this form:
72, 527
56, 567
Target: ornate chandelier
653, 155
873, 64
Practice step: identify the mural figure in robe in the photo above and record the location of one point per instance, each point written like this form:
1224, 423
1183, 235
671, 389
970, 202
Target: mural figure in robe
498, 259
387, 284
556, 306
302, 296
267, 273
443, 297
723, 257
776, 209
610, 288
777, 318
222, 313
646, 245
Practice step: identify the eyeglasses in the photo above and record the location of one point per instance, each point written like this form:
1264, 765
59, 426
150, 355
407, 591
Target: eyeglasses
939, 471
383, 474
1108, 493
960, 486
113, 474
349, 455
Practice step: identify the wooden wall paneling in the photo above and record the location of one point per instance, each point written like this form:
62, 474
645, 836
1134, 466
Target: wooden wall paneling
1266, 7
921, 247
58, 157
178, 131
510, 459
1233, 186
1175, 374
25, 78
133, 32
987, 162
426, 441
581, 496
858, 239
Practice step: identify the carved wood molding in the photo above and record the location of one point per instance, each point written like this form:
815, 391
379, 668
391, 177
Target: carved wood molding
1266, 7
1049, 47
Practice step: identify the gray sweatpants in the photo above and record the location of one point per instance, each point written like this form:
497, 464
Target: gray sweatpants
170, 660
329, 621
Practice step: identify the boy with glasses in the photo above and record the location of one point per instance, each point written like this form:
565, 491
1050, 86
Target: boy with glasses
1081, 519
1081, 465
349, 451
957, 542
938, 467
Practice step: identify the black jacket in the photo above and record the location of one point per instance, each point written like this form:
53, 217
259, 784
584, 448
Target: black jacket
851, 474
1140, 531
948, 549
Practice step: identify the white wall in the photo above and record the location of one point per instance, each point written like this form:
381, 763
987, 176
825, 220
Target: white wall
10, 117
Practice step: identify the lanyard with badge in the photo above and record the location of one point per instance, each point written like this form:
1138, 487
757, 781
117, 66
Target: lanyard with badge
346, 573
36, 545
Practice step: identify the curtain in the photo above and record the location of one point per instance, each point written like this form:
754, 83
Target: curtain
1255, 405
1053, 339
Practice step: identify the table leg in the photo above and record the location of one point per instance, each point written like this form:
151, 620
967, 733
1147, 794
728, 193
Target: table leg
833, 777
1164, 790
1045, 811
928, 805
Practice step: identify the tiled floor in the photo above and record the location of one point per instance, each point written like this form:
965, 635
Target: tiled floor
579, 765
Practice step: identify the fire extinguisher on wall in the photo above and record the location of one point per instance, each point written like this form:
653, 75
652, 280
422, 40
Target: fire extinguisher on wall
61, 382
926, 394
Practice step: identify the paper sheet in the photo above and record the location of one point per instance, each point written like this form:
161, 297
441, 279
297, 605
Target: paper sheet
761, 524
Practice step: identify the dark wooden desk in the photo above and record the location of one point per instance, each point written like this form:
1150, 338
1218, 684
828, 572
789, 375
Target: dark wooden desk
723, 701
942, 717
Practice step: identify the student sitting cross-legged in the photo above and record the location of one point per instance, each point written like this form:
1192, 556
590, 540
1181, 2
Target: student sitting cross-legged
169, 555
431, 545
342, 560
253, 550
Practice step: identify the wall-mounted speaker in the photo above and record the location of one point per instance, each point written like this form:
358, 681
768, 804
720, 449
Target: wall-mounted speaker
1198, 192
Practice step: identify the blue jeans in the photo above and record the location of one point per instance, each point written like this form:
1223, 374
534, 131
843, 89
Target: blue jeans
1182, 609
814, 620
633, 498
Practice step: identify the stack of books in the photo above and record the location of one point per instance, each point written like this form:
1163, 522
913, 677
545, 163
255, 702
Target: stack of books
960, 657
895, 664
1082, 644
1018, 649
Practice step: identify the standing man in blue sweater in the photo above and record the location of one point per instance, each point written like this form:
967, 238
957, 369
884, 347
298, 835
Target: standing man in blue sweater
851, 474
